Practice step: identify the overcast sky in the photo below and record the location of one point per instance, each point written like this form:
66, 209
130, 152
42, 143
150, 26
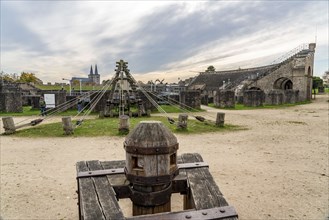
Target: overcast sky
159, 39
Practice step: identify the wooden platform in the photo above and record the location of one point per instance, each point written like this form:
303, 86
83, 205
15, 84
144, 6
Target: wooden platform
98, 193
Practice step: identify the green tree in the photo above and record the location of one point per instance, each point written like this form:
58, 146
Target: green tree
29, 78
8, 77
317, 82
210, 69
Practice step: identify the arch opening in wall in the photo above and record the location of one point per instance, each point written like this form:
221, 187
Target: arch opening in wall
283, 83
254, 88
309, 72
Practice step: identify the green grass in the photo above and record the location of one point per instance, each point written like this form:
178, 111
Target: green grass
242, 107
176, 109
109, 127
28, 111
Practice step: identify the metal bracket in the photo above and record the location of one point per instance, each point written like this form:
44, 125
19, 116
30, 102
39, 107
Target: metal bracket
223, 212
100, 173
121, 170
192, 165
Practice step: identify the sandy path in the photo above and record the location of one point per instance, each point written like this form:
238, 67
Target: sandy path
277, 169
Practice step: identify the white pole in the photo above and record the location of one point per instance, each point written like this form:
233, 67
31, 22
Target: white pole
70, 88
80, 86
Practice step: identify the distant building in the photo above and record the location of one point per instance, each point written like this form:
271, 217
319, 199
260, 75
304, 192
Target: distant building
92, 77
294, 71
325, 78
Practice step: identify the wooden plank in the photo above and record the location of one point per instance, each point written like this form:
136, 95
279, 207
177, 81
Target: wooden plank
118, 181
203, 188
88, 200
106, 195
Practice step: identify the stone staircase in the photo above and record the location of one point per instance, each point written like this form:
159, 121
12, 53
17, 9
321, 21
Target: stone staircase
298, 51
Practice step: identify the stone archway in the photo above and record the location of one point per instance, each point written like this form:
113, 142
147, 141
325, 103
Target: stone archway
254, 88
283, 83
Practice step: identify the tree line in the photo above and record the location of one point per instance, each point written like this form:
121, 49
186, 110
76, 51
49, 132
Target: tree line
23, 77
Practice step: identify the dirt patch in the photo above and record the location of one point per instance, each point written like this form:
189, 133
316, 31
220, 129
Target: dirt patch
276, 169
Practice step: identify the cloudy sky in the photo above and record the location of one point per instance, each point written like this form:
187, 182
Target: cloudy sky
160, 39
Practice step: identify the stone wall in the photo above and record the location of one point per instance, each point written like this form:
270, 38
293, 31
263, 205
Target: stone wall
190, 98
291, 96
224, 99
102, 103
204, 100
11, 102
253, 98
298, 69
274, 97
146, 102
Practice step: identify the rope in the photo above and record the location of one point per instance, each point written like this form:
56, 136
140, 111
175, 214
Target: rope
156, 105
175, 103
94, 102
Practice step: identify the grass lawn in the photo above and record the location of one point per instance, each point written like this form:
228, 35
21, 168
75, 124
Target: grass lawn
242, 107
177, 109
109, 127
28, 111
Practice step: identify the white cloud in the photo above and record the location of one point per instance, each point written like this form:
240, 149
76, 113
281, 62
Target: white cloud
73, 35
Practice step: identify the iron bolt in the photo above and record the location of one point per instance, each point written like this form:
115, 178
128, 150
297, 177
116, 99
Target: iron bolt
222, 210
188, 216
90, 172
204, 213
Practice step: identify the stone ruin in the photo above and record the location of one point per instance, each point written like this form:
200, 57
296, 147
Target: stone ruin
10, 97
224, 99
191, 99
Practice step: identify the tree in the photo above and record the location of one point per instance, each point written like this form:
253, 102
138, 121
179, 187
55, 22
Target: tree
75, 82
29, 78
8, 77
210, 69
317, 82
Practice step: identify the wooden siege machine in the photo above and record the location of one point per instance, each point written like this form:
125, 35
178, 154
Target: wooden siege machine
124, 98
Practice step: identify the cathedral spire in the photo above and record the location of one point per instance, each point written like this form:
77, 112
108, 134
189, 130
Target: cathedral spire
96, 71
91, 70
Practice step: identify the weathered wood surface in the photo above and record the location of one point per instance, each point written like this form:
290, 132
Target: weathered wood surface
203, 192
67, 125
220, 119
144, 162
182, 121
8, 125
123, 123
97, 199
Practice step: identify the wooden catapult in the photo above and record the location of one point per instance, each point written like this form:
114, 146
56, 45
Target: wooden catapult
150, 174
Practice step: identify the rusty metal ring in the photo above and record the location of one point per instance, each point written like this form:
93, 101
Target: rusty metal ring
151, 150
151, 180
151, 198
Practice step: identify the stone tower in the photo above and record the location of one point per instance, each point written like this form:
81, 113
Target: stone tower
95, 78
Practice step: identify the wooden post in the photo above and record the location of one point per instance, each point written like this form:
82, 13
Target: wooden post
148, 112
8, 125
220, 119
67, 125
151, 164
124, 124
182, 121
101, 114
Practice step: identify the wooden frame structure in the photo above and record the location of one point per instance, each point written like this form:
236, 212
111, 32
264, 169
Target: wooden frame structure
102, 184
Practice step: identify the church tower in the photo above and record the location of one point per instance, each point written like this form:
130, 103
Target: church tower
97, 79
94, 77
